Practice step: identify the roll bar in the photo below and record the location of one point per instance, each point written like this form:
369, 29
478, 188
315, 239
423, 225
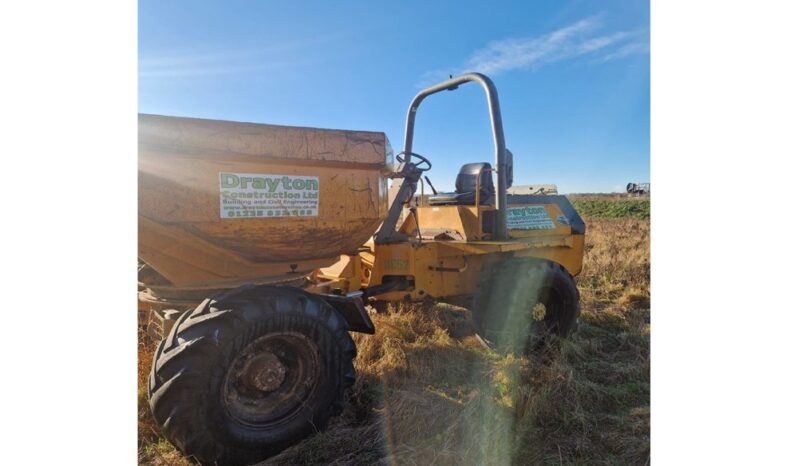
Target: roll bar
500, 221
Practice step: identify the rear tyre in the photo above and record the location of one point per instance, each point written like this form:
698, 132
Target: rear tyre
249, 373
525, 303
380, 307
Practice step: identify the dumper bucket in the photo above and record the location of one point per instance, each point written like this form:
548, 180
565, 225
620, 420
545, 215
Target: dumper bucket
225, 203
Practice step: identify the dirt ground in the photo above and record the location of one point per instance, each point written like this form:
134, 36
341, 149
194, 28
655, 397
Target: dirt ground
428, 392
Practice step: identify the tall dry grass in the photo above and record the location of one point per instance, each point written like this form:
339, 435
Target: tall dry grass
429, 392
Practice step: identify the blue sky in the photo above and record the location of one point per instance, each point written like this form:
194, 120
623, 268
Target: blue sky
573, 77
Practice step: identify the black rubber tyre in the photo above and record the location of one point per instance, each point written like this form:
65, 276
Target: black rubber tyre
248, 373
505, 309
380, 307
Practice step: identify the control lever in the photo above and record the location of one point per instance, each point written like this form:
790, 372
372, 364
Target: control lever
434, 191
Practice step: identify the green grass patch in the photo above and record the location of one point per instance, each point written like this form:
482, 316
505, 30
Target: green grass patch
613, 208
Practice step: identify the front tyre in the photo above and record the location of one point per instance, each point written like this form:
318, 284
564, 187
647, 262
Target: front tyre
247, 374
525, 302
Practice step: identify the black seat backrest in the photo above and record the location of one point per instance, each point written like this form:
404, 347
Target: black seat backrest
466, 187
467, 179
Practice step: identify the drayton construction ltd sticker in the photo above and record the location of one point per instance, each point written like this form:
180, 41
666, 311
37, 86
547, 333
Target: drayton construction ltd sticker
253, 195
529, 218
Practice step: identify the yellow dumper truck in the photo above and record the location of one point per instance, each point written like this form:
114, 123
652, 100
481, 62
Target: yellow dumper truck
282, 239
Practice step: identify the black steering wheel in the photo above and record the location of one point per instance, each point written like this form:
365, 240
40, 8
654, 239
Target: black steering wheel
422, 160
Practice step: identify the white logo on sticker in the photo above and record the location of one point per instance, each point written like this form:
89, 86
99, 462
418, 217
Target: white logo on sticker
254, 195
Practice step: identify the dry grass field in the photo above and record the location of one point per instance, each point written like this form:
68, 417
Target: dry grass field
428, 392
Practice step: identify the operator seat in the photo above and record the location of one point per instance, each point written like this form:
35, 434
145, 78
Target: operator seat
466, 186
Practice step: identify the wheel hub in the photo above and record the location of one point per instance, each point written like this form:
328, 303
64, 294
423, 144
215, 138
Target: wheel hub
272, 378
538, 312
264, 372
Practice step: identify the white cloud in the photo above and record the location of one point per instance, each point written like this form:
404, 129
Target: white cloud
513, 53
211, 62
625, 51
601, 42
207, 61
581, 38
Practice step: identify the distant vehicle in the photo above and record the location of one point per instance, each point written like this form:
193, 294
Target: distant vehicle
535, 189
638, 188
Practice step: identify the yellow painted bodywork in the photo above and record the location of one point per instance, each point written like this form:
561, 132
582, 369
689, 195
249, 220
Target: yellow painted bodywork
452, 267
183, 237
